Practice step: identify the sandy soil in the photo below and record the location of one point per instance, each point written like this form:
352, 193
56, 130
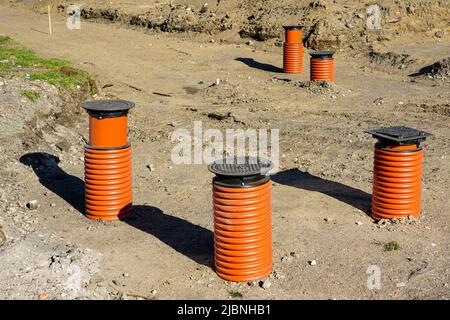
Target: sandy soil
322, 191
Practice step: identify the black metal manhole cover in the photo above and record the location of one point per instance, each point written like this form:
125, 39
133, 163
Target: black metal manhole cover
108, 105
399, 133
241, 167
293, 27
322, 54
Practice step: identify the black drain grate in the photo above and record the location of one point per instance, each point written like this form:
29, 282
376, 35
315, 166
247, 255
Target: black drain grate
241, 171
399, 134
322, 54
241, 167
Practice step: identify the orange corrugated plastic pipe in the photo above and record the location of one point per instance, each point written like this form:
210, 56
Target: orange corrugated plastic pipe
397, 173
322, 66
293, 50
242, 224
108, 161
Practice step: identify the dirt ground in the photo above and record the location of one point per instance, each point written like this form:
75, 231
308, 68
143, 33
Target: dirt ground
321, 196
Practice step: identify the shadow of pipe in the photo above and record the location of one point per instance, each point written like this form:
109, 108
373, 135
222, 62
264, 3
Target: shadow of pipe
258, 65
303, 180
193, 241
423, 71
45, 166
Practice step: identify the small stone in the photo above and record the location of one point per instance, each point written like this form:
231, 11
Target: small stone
400, 285
43, 296
117, 283
32, 205
295, 255
63, 145
209, 285
204, 8
400, 103
249, 42
153, 292
252, 284
359, 223
52, 205
151, 167
125, 275
2, 237
285, 259
333, 96
433, 244
266, 284
328, 220
217, 82
312, 263
439, 34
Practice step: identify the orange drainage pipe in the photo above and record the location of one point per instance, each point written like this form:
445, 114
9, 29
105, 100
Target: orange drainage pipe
108, 161
242, 219
293, 50
397, 172
322, 66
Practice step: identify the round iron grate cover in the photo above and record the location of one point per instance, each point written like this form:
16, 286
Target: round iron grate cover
321, 54
241, 167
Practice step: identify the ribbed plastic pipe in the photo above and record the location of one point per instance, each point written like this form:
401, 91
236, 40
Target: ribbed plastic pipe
397, 181
322, 66
242, 224
397, 172
108, 161
243, 232
293, 50
108, 183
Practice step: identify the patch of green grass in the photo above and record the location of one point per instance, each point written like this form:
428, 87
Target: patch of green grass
60, 79
32, 95
236, 294
60, 73
392, 246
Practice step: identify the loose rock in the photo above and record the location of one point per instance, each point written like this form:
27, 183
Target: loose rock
33, 205
266, 284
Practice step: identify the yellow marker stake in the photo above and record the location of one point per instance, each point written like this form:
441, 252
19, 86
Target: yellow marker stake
49, 20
